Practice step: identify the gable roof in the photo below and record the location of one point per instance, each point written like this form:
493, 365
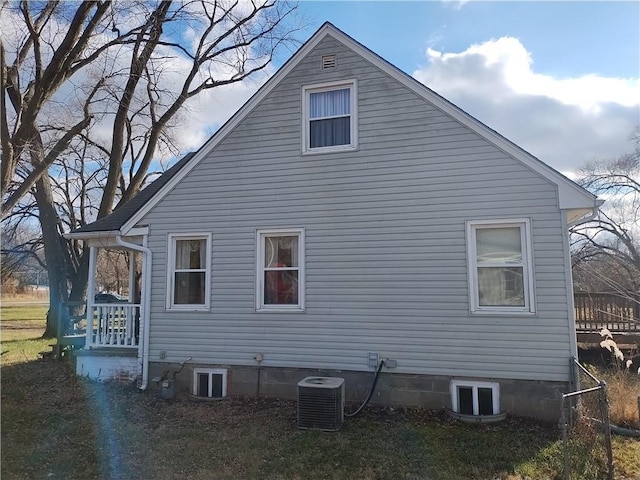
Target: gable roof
116, 219
571, 195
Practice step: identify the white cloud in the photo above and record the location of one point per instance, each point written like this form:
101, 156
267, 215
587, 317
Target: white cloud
563, 121
457, 4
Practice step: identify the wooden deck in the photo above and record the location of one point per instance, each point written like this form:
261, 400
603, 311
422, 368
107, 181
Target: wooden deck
595, 311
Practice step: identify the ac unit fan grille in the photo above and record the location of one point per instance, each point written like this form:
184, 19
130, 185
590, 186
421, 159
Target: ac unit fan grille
321, 408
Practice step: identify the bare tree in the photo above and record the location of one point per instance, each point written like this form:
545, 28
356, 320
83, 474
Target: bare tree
20, 257
606, 251
91, 92
113, 271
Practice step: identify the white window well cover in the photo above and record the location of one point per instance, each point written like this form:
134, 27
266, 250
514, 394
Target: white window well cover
210, 382
475, 398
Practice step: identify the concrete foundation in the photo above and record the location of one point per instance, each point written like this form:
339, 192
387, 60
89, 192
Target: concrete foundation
523, 398
116, 365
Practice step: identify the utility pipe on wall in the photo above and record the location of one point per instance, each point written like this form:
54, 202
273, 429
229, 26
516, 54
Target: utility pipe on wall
146, 301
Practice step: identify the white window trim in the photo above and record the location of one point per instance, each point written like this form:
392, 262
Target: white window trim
323, 87
211, 372
495, 394
524, 224
171, 262
261, 234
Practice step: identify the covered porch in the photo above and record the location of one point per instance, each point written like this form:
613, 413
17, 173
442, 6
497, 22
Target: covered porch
105, 334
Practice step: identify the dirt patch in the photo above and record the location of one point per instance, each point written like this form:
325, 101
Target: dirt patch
26, 325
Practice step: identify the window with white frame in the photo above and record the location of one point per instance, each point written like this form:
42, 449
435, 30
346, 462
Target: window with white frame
329, 117
500, 266
280, 272
189, 271
210, 382
475, 398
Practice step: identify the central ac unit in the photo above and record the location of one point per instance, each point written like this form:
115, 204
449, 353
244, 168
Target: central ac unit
321, 403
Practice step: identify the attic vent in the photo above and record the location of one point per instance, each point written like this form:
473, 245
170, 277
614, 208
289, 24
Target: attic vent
328, 61
321, 403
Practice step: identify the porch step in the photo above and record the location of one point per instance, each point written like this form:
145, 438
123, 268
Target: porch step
77, 340
106, 352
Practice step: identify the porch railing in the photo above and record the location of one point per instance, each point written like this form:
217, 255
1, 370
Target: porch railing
114, 325
594, 311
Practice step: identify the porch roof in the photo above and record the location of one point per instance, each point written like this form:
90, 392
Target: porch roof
116, 219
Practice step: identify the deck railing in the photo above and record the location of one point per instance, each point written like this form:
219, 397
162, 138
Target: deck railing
595, 311
114, 325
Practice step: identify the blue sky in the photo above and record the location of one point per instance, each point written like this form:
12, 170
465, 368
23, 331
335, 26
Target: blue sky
560, 79
565, 38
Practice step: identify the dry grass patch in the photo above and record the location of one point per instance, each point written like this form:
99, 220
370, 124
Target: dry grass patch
58, 426
39, 296
623, 388
21, 329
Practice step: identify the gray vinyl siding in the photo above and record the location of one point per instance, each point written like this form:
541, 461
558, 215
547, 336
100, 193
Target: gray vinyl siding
386, 266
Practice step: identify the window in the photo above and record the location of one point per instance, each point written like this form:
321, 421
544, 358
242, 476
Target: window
475, 398
329, 116
189, 272
280, 275
500, 266
210, 382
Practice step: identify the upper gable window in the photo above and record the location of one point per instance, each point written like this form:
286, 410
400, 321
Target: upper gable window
500, 266
329, 117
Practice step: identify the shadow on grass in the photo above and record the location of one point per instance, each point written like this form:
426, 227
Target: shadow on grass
45, 430
25, 339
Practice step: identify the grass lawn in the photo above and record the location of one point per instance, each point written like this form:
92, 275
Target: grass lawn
56, 425
22, 327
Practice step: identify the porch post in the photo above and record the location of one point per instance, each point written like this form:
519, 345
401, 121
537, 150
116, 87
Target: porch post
91, 293
132, 276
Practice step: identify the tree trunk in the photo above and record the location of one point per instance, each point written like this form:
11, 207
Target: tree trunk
55, 257
79, 279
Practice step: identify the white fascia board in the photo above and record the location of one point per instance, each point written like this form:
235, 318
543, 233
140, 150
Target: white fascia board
90, 235
133, 232
228, 127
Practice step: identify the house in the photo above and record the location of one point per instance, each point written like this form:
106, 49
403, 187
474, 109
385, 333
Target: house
348, 214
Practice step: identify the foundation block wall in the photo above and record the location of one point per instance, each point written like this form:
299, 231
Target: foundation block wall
523, 398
